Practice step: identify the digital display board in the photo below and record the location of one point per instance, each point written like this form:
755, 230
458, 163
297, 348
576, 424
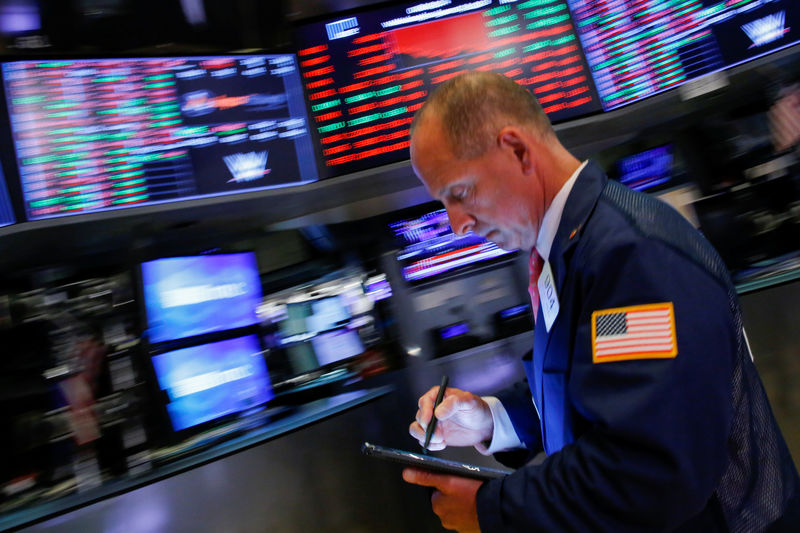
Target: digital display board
365, 74
431, 248
209, 381
109, 133
188, 296
637, 49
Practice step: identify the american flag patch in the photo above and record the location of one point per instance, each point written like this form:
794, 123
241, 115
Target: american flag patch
636, 332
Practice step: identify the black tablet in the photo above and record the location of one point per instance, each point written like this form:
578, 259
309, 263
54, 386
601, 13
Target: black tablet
436, 464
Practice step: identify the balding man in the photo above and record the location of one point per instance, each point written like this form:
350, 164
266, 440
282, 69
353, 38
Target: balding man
640, 387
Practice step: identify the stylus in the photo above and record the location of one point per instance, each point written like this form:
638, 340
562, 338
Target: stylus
432, 425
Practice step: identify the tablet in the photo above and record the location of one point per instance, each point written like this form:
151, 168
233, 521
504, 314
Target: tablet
436, 464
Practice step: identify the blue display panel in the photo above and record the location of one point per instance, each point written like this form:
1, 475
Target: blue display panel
188, 296
213, 380
6, 211
647, 169
101, 134
430, 247
637, 49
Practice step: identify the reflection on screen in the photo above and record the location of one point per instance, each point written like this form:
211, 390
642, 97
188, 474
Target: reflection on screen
187, 296
109, 133
431, 247
210, 381
367, 73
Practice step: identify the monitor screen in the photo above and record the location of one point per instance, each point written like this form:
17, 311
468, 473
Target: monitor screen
99, 134
327, 313
188, 296
636, 50
6, 211
431, 248
647, 169
366, 73
336, 346
209, 381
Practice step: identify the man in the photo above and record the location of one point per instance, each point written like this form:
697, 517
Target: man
652, 415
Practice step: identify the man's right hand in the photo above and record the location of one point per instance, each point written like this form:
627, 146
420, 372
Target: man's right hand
464, 419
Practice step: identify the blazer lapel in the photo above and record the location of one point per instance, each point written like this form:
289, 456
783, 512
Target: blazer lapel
579, 206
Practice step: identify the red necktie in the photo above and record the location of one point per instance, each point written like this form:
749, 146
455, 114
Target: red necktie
535, 265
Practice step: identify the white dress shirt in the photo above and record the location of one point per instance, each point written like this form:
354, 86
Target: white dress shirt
504, 437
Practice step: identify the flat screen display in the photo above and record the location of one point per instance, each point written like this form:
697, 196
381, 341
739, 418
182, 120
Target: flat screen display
647, 169
431, 248
366, 73
336, 346
6, 211
327, 313
209, 381
637, 49
188, 296
99, 134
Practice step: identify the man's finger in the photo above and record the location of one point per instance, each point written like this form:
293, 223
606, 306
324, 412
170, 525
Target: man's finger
425, 478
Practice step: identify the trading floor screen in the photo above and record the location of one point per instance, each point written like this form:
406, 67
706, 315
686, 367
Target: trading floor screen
638, 48
365, 74
108, 133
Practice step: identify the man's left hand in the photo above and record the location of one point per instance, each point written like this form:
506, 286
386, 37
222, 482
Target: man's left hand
453, 500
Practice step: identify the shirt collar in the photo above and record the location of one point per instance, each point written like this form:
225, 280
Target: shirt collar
552, 217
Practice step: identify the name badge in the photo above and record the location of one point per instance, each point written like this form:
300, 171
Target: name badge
548, 298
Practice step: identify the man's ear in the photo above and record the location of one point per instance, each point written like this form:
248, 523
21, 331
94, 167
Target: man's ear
512, 139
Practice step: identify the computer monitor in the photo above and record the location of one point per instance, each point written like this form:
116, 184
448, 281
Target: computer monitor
210, 381
367, 72
197, 295
430, 248
6, 210
99, 134
336, 346
647, 169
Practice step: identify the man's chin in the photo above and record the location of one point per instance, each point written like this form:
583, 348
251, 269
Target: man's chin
497, 238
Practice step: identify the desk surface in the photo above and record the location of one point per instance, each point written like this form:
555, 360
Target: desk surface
297, 418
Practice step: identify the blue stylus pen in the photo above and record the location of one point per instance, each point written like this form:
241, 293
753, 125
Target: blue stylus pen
432, 425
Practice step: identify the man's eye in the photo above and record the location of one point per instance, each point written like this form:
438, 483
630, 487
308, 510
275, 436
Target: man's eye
459, 193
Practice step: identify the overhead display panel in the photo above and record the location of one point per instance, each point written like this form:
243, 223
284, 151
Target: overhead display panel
366, 73
102, 134
639, 48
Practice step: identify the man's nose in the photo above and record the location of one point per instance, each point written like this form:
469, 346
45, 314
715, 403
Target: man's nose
460, 221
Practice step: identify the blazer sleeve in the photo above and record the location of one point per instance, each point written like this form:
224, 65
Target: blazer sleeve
652, 446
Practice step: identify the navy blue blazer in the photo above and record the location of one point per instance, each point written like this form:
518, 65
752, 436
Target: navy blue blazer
680, 443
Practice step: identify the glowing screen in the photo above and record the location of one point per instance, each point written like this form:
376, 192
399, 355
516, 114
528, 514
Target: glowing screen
209, 381
366, 74
187, 296
6, 211
637, 49
646, 169
108, 133
431, 248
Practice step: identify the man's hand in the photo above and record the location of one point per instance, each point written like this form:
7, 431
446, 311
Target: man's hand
453, 500
464, 419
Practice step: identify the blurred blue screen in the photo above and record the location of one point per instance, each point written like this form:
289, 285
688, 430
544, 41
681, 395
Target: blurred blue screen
212, 380
6, 211
187, 296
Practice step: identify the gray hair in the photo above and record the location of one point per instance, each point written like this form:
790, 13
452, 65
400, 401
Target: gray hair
475, 106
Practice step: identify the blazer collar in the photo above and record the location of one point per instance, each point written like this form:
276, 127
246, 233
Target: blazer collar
580, 204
